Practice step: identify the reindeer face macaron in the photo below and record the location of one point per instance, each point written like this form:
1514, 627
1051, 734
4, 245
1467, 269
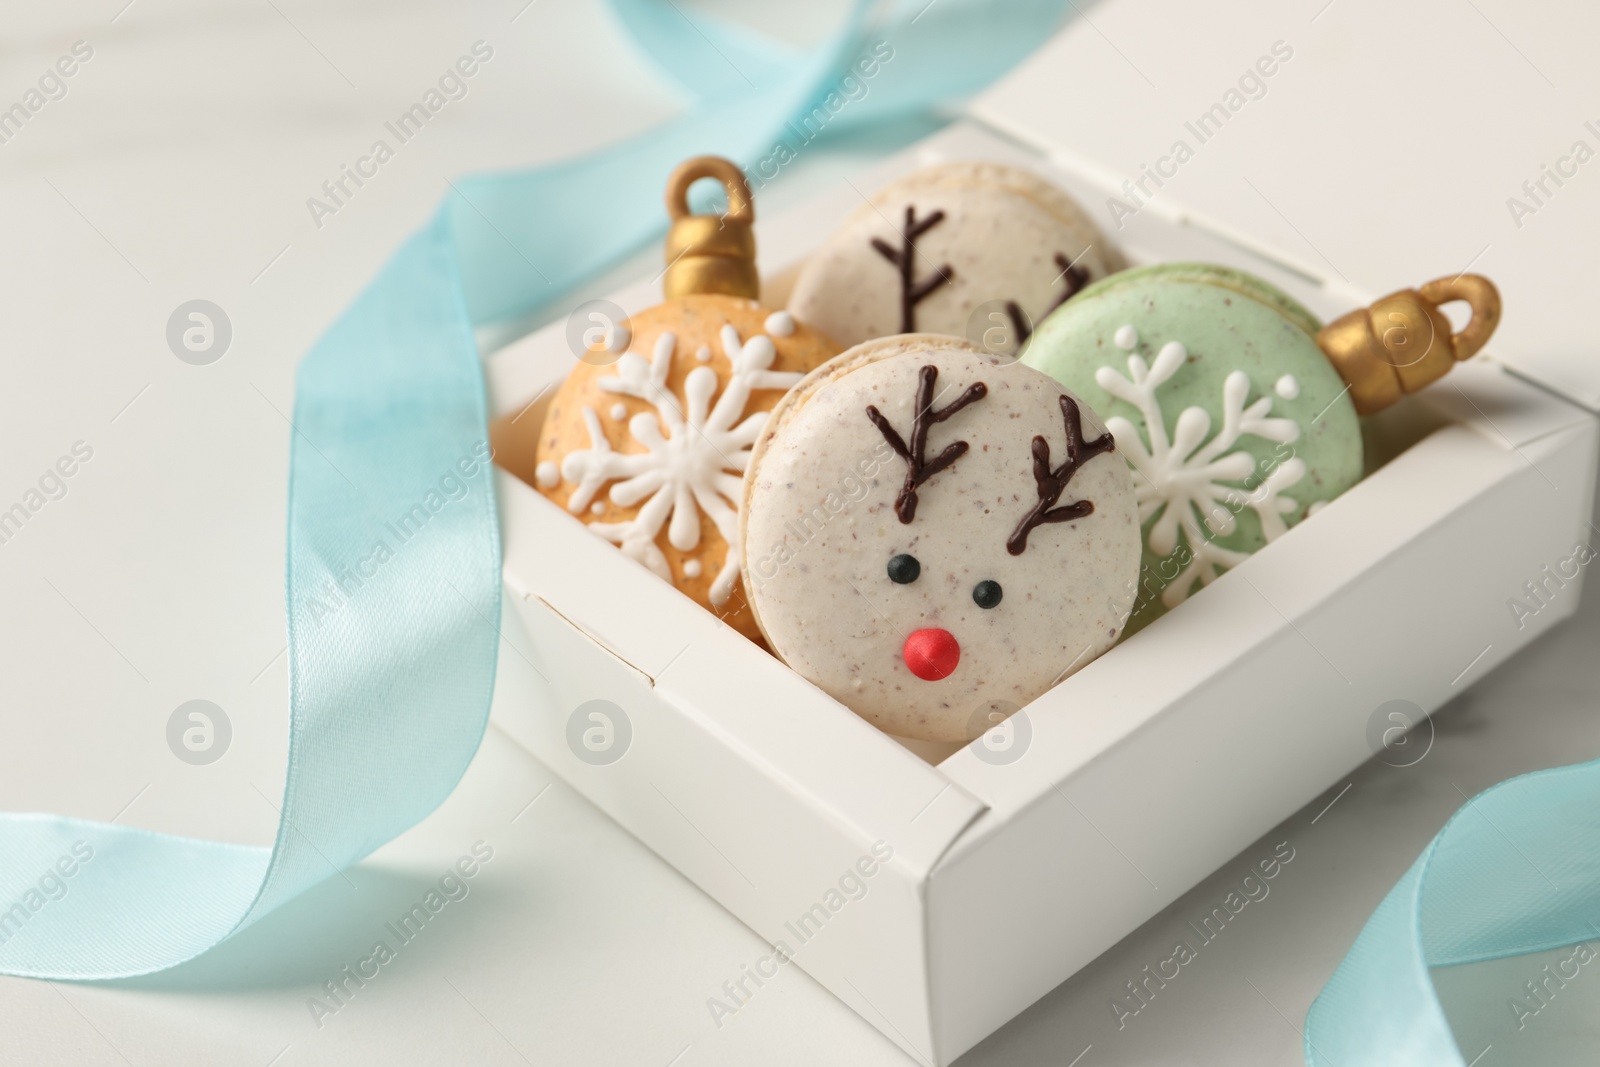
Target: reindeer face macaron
936, 536
975, 250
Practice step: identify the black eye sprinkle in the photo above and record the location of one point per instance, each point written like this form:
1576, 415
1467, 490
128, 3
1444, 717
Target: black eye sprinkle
904, 569
986, 594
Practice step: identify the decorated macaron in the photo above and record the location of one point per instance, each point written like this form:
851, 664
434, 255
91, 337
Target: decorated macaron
1234, 423
647, 439
935, 535
976, 250
650, 451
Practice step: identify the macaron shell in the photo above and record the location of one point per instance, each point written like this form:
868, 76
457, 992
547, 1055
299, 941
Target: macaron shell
819, 527
696, 323
1301, 446
1246, 285
1000, 237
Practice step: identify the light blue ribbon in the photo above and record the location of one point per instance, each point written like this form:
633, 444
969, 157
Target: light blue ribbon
1516, 870
392, 652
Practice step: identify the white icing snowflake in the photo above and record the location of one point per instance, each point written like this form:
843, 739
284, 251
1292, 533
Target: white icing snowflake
1181, 482
693, 461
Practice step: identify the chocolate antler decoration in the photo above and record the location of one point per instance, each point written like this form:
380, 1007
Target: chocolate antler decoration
1074, 278
1051, 483
918, 467
913, 292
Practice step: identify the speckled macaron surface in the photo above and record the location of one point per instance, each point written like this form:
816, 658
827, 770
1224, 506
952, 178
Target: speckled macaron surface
647, 439
1235, 424
934, 572
975, 250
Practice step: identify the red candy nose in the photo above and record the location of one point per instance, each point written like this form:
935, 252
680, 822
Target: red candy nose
932, 654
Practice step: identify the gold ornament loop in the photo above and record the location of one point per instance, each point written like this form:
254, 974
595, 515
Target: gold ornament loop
741, 208
1403, 342
710, 253
1481, 296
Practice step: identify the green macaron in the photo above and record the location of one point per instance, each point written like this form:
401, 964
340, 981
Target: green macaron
1234, 423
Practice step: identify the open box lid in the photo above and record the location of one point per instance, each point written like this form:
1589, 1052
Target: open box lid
1385, 148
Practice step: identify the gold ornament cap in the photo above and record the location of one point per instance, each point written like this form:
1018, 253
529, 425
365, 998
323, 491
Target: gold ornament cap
710, 253
1403, 342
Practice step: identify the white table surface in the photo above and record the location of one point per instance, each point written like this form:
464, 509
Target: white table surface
177, 167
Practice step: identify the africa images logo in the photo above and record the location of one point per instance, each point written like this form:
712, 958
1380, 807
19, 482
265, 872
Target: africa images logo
451, 887
50, 886
851, 885
1141, 990
452, 85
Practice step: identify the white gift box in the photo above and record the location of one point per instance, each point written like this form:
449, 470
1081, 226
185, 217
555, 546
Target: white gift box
937, 893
